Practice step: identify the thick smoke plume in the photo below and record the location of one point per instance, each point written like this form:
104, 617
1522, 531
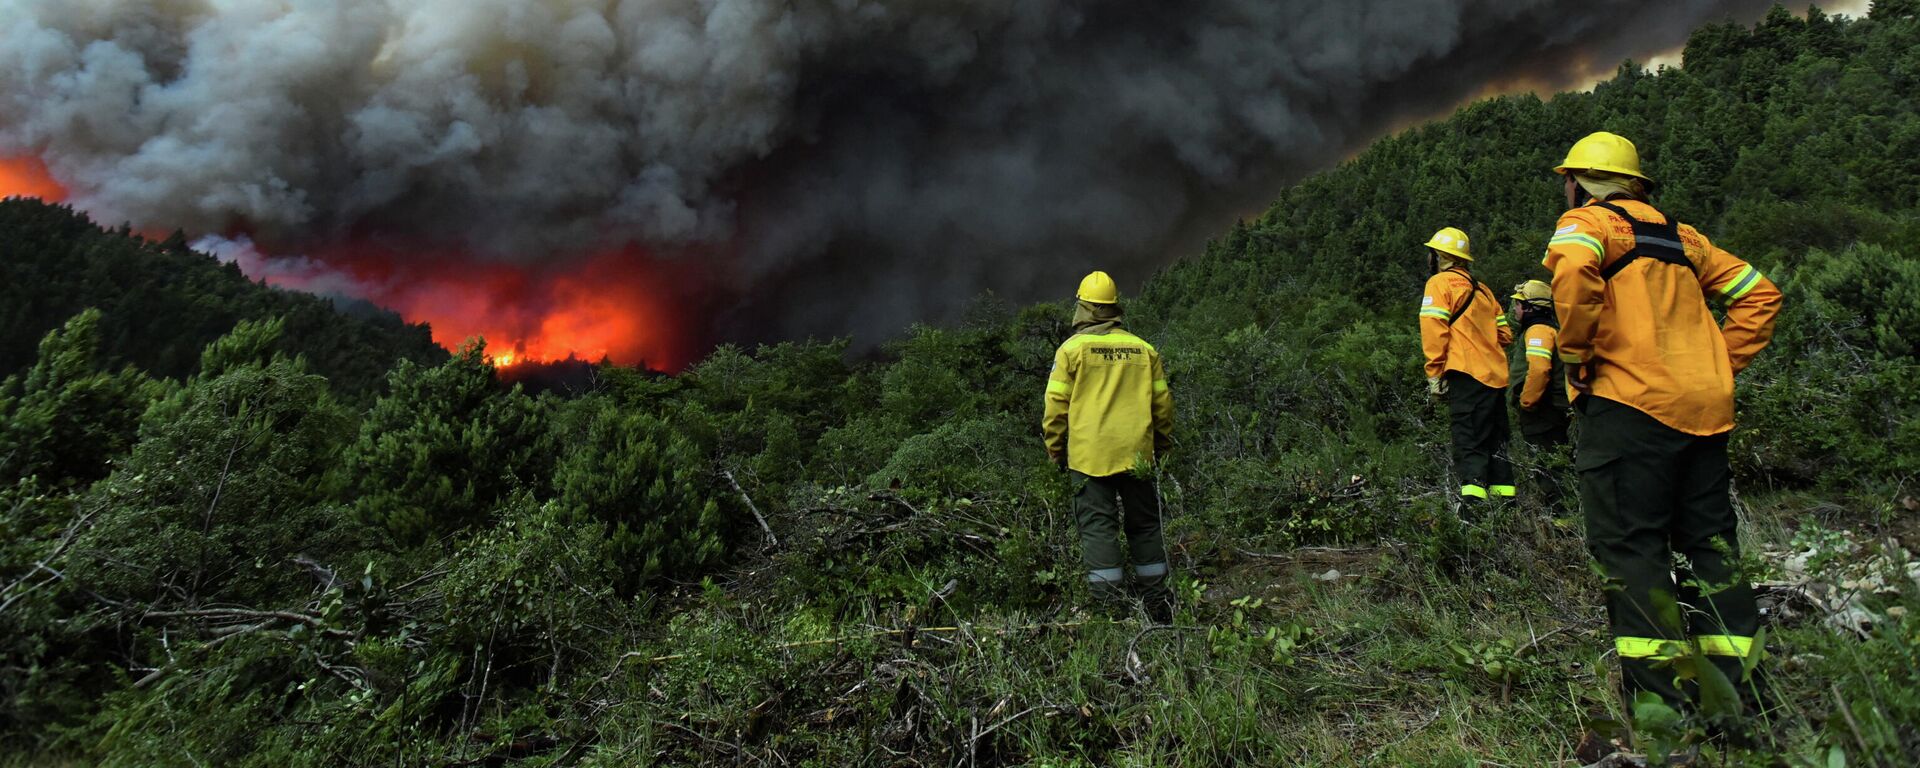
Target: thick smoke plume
838, 165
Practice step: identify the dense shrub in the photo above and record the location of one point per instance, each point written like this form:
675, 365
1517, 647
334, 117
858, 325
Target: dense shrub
443, 447
651, 490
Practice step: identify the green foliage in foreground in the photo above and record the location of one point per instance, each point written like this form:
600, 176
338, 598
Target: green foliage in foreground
240, 568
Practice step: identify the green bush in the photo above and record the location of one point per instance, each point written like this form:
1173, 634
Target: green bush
652, 490
443, 447
65, 420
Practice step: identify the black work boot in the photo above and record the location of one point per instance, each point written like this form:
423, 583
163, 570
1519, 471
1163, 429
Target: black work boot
1110, 600
1156, 597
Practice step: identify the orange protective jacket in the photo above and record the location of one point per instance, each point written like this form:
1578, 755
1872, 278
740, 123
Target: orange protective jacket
1539, 342
1646, 336
1476, 343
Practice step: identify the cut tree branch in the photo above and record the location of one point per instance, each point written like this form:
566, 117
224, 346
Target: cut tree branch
771, 539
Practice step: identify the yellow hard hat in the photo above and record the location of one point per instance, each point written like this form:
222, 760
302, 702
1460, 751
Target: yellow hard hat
1098, 288
1602, 151
1451, 241
1533, 290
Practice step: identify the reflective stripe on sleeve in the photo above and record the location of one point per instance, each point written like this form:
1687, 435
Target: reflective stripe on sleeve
1056, 387
1159, 385
1642, 648
1539, 352
1105, 575
1585, 241
1473, 491
1150, 570
1437, 313
1726, 645
1504, 491
1500, 319
1741, 285
1571, 358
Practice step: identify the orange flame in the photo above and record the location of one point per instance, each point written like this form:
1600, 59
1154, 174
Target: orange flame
28, 177
619, 305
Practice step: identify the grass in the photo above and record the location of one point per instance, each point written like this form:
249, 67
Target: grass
1490, 655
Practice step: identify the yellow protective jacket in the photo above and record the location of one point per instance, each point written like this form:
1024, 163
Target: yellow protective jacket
1539, 381
1475, 344
1108, 405
1647, 332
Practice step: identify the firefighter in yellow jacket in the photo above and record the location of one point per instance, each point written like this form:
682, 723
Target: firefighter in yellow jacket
1539, 385
1108, 415
1464, 334
1652, 374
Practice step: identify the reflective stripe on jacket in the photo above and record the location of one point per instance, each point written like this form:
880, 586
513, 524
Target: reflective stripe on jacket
1108, 405
1537, 370
1647, 331
1475, 344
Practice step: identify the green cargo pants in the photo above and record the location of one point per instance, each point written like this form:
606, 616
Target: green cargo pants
1650, 491
1479, 415
1104, 506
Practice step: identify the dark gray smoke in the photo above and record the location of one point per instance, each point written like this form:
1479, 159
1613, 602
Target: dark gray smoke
850, 164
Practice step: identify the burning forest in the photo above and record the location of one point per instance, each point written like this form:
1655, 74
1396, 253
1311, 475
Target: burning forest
641, 179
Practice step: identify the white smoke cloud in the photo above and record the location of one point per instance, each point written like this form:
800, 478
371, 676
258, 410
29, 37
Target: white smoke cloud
907, 152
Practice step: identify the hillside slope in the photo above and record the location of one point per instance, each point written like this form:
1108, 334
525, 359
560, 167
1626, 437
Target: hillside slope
784, 558
161, 302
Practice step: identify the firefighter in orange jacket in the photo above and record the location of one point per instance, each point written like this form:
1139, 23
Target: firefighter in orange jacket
1652, 374
1109, 415
1539, 385
1464, 334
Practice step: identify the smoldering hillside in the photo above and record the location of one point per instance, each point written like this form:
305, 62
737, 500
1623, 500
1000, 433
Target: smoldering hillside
842, 166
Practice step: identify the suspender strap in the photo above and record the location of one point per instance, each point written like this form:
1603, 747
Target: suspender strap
1473, 289
1660, 242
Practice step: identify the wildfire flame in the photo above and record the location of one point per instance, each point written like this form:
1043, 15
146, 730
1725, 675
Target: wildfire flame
28, 177
619, 305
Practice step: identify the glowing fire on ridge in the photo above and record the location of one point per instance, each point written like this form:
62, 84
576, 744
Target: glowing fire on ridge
618, 304
28, 177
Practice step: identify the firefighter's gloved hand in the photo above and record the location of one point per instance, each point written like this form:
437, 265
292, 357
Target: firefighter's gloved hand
1580, 377
1436, 386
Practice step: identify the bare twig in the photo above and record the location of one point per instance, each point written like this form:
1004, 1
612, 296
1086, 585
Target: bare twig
213, 504
175, 664
1846, 712
998, 631
46, 563
1307, 551
1133, 664
895, 499
751, 507
1534, 643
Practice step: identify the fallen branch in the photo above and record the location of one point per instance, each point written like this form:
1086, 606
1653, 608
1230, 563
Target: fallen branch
1133, 664
1846, 712
771, 539
1528, 648
998, 632
1306, 551
246, 614
973, 744
45, 564
161, 672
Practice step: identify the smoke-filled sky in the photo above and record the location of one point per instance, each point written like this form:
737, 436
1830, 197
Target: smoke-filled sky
800, 167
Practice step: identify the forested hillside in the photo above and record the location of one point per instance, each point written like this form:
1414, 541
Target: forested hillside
161, 303
783, 557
